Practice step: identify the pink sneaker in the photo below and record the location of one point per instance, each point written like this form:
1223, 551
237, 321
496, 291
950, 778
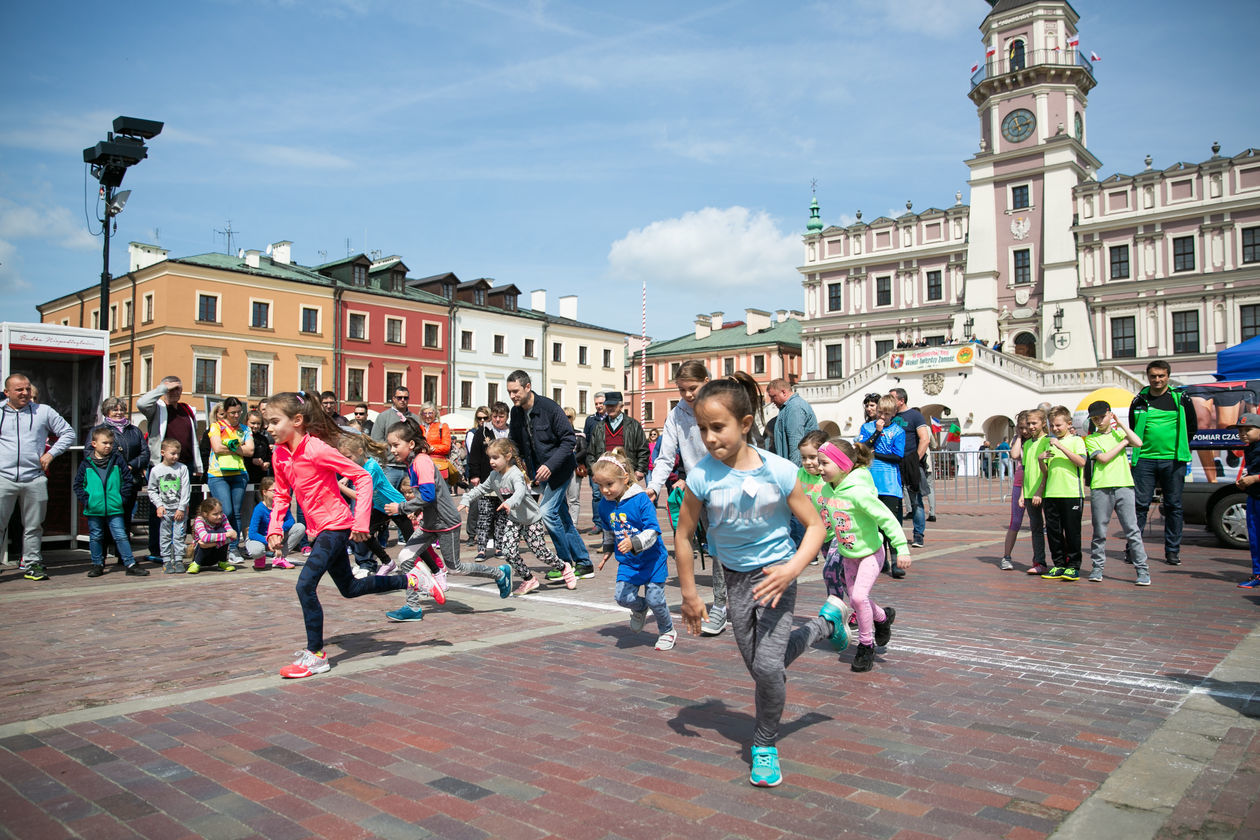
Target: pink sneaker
306, 550
440, 578
527, 586
388, 569
281, 563
1037, 570
570, 579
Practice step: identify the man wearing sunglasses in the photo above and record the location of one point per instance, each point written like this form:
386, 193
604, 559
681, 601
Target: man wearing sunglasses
360, 421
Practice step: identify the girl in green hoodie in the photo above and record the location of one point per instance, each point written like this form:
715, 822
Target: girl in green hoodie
860, 521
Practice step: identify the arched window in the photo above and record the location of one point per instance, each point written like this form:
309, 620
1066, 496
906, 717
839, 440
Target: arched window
1026, 345
1017, 55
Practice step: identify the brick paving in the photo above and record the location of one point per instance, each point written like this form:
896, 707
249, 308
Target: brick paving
150, 708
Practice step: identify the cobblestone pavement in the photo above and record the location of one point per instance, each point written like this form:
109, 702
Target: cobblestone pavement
1005, 706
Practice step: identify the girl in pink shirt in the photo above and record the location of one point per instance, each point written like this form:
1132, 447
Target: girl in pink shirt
307, 465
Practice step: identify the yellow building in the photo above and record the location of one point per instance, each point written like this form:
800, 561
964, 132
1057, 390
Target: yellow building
233, 326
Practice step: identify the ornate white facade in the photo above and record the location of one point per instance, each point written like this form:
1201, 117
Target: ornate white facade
1080, 281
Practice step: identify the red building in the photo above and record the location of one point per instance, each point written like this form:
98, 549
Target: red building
388, 334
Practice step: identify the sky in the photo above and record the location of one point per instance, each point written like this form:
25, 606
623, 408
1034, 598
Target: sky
581, 148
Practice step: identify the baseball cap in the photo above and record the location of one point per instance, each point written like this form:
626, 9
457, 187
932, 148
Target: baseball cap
1098, 408
1248, 419
612, 397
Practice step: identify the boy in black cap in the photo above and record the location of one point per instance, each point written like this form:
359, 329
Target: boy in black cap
1248, 427
1111, 489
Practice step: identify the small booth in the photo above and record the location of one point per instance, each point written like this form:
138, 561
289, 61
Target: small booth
68, 367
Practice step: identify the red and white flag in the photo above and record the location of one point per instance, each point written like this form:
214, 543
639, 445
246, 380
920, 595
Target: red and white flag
1093, 56
990, 52
1075, 42
975, 67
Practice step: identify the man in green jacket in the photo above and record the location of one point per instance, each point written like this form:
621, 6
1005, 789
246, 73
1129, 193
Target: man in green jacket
1164, 419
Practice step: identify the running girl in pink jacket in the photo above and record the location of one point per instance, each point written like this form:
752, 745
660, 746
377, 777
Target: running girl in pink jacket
307, 465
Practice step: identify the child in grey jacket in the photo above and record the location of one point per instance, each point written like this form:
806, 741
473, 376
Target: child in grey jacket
524, 518
170, 490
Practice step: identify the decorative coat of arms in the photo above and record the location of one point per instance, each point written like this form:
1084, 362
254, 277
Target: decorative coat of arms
1020, 227
933, 383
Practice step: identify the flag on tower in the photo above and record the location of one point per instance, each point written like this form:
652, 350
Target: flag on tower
990, 52
975, 67
1075, 42
1093, 56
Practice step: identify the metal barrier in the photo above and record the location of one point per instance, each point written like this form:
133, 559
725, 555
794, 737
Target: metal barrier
975, 477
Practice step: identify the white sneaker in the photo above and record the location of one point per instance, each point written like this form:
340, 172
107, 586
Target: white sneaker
666, 641
305, 665
715, 623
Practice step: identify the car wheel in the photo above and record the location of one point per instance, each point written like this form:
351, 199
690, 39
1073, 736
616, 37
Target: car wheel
1228, 520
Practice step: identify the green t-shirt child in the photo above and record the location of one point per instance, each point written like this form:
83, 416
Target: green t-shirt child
1114, 473
813, 486
1064, 480
1033, 468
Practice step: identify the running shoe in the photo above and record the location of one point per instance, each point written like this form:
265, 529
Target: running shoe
883, 629
307, 664
638, 618
168, 567
666, 641
527, 586
35, 571
281, 563
440, 577
1252, 582
1095, 575
864, 658
421, 580
388, 569
1006, 565
405, 614
1144, 579
1071, 575
225, 566
505, 582
179, 567
1055, 573
136, 570
715, 623
554, 576
193, 568
570, 579
837, 613
765, 767
96, 571
1037, 569
584, 571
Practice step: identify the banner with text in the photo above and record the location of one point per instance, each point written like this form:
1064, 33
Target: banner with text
932, 358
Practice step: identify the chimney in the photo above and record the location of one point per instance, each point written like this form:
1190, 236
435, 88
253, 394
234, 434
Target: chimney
251, 258
143, 256
755, 320
568, 307
780, 315
538, 300
715, 321
703, 327
281, 252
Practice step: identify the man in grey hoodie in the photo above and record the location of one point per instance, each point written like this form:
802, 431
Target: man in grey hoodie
25, 427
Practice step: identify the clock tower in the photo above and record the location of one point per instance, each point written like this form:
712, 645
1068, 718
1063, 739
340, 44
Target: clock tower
1030, 93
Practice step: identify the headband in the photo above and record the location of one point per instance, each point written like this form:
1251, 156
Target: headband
612, 460
835, 456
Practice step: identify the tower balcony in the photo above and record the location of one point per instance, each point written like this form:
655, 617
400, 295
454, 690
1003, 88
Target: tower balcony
1010, 70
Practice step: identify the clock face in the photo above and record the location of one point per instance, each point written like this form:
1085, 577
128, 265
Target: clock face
1080, 128
1019, 125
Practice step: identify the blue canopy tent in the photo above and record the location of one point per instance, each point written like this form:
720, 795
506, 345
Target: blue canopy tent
1242, 361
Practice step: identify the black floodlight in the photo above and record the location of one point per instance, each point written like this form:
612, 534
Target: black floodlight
136, 127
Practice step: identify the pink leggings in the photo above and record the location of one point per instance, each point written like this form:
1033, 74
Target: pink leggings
860, 574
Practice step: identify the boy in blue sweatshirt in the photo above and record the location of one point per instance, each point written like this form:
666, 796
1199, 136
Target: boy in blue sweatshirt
101, 484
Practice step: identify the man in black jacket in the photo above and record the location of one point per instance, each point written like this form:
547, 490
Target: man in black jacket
545, 438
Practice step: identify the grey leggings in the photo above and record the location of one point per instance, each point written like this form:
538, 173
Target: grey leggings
448, 546
768, 644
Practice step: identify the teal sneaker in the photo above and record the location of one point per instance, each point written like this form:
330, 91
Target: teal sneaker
1071, 575
505, 582
405, 614
837, 612
765, 767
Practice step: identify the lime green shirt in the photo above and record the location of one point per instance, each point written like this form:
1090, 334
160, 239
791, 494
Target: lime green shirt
1032, 464
813, 486
1065, 480
1114, 473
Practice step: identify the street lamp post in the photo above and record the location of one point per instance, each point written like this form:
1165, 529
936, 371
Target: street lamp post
109, 159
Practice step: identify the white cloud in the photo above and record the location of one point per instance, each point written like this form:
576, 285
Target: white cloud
45, 222
731, 250
294, 156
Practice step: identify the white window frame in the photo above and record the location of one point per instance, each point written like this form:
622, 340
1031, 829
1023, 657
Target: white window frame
146, 373
498, 345
1011, 209
608, 359
113, 318
557, 395
128, 314
367, 324
95, 319
467, 390
148, 310
424, 329
347, 396
554, 346
271, 313
402, 332
315, 362
472, 341
1031, 248
269, 365
319, 319
388, 369
218, 307
584, 355
525, 348
214, 354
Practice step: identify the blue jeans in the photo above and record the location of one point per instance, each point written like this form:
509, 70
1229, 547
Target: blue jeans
1170, 476
328, 555
1253, 532
653, 598
916, 512
117, 527
230, 491
555, 512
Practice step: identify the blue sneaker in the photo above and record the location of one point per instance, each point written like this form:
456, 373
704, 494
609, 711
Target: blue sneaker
837, 612
505, 582
765, 767
405, 614
1252, 582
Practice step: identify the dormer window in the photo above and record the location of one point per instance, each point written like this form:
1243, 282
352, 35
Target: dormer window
479, 297
396, 280
448, 291
509, 303
359, 275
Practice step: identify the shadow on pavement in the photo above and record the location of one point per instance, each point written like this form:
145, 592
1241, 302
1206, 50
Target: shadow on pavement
358, 644
1241, 696
736, 727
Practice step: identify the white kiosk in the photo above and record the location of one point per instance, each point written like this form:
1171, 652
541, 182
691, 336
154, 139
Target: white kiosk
69, 367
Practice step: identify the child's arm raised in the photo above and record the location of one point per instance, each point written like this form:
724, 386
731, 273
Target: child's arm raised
693, 611
779, 576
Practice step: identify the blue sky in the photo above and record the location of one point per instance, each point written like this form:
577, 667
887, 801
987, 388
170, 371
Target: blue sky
581, 148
